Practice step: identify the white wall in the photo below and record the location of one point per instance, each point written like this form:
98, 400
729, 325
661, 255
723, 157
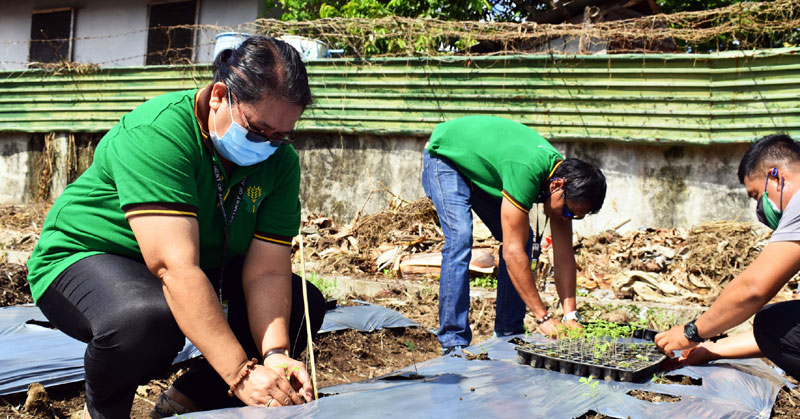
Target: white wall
112, 33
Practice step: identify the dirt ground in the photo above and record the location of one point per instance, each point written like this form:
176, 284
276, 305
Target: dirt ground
342, 357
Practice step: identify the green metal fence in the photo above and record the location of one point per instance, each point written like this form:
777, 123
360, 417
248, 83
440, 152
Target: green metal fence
694, 99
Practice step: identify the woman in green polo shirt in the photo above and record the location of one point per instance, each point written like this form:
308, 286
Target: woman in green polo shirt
182, 227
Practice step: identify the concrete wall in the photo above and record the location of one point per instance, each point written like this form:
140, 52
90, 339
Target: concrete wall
652, 186
112, 34
17, 164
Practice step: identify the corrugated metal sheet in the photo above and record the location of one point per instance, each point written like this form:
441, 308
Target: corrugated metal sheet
700, 99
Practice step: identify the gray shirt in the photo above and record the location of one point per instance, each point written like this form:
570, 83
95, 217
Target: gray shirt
789, 226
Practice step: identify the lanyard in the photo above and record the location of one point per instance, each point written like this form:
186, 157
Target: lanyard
537, 244
226, 223
537, 238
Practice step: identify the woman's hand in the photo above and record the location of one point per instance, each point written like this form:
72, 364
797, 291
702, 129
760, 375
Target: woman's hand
295, 373
276, 383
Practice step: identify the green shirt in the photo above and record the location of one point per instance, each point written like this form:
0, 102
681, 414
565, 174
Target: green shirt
154, 161
500, 156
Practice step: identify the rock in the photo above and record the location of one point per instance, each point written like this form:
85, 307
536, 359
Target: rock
18, 257
602, 294
143, 391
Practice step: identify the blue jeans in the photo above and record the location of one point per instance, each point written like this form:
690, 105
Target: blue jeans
454, 197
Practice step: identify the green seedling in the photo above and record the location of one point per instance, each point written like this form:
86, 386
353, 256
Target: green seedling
412, 348
487, 282
592, 384
528, 333
658, 379
286, 371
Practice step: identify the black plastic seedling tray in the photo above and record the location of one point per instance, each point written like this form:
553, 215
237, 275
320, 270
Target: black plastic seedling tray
621, 360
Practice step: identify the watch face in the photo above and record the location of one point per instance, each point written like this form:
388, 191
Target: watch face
690, 331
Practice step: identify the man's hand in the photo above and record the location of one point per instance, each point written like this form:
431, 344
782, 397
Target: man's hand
673, 340
551, 327
572, 324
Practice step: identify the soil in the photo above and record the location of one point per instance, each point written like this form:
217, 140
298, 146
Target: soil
342, 357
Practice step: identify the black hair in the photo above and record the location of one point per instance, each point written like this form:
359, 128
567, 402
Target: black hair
768, 151
584, 182
262, 66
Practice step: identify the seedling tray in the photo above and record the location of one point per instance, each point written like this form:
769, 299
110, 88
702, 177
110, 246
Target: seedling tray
617, 361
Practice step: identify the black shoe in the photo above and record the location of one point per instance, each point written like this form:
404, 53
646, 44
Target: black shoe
165, 407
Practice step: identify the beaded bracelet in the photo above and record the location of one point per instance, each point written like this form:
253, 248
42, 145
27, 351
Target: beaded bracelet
544, 319
251, 365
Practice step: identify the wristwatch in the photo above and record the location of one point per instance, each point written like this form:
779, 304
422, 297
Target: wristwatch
274, 351
572, 315
690, 331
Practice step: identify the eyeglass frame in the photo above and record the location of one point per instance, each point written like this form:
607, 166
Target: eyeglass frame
565, 211
259, 137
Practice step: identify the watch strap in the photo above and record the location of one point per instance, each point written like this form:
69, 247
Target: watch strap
274, 351
572, 315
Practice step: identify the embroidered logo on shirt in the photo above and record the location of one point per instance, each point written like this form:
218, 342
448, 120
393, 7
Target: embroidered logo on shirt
254, 193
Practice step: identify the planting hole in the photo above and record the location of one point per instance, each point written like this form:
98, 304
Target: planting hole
405, 376
683, 380
653, 397
591, 414
517, 341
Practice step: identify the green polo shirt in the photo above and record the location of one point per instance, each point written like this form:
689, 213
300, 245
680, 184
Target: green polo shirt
500, 156
154, 161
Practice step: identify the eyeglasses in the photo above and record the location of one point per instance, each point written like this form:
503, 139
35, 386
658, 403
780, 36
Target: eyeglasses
567, 213
275, 139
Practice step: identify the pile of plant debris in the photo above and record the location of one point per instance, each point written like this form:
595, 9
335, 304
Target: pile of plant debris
653, 264
668, 265
372, 243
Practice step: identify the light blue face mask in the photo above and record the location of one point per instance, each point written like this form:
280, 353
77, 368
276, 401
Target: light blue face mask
234, 145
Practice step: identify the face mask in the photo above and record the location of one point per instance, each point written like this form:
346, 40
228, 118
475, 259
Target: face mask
234, 145
766, 211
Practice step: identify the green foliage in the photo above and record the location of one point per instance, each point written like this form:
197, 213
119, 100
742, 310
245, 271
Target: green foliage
675, 6
488, 282
325, 286
599, 328
371, 9
743, 28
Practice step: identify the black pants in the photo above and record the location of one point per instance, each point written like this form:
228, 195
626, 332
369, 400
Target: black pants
777, 331
118, 308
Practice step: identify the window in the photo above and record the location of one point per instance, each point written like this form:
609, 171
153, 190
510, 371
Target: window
167, 44
51, 36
